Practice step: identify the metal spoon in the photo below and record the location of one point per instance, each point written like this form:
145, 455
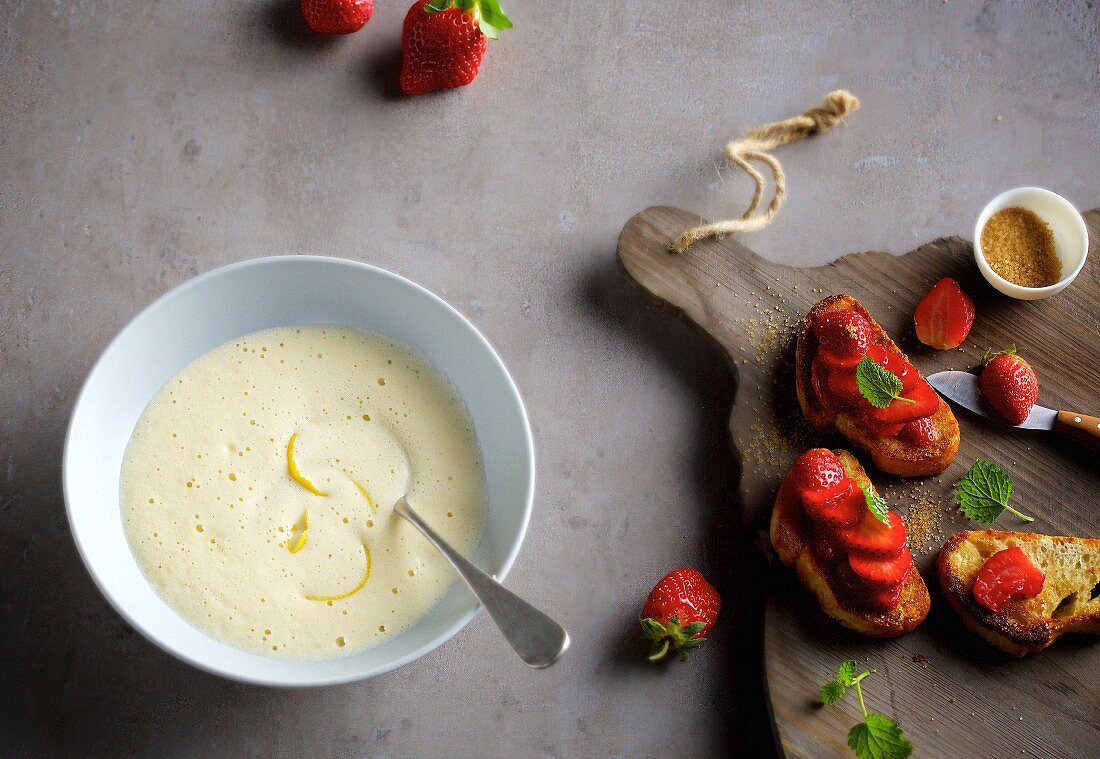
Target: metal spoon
537, 638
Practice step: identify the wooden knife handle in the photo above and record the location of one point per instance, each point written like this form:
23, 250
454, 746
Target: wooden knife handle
1081, 427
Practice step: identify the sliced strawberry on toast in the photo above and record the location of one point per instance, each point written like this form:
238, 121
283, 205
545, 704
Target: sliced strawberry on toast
856, 565
914, 435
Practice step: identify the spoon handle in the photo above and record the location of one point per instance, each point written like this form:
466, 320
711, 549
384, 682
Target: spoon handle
537, 638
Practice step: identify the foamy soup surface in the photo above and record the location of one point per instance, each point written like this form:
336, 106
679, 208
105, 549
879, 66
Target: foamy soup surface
258, 490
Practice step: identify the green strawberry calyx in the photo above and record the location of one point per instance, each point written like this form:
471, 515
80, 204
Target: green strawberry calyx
671, 636
490, 18
991, 354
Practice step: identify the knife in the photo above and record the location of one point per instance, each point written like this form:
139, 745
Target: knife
962, 388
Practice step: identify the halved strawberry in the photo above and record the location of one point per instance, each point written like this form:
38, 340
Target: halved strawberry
842, 505
881, 573
1007, 576
944, 316
874, 539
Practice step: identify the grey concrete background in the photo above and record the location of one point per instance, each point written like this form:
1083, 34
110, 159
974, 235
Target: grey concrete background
144, 142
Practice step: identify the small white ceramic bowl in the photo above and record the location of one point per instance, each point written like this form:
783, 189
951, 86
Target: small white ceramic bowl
1071, 238
270, 292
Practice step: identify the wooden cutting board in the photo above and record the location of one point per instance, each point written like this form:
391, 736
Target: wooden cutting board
953, 694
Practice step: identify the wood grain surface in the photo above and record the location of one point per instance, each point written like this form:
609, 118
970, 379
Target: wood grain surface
953, 694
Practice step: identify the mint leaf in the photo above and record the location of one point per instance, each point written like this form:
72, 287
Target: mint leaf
878, 737
435, 6
878, 505
984, 492
877, 384
832, 691
847, 672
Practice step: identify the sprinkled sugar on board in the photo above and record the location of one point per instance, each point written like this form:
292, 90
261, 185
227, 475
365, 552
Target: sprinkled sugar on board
952, 693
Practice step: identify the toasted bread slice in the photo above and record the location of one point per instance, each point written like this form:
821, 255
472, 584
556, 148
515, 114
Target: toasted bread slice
892, 454
790, 534
1065, 604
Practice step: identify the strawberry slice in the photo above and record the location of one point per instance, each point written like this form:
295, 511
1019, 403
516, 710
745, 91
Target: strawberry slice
877, 600
885, 599
826, 547
944, 316
843, 333
836, 361
873, 539
882, 574
920, 432
1007, 576
842, 505
901, 368
842, 385
883, 429
924, 403
818, 378
816, 469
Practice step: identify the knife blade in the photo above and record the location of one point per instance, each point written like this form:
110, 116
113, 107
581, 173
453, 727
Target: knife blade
962, 388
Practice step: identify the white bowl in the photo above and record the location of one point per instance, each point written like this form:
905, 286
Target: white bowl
1071, 238
271, 292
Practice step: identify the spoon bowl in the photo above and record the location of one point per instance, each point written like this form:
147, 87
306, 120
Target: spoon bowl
538, 639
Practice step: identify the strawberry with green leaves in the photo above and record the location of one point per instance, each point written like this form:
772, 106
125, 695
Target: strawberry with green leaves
1009, 384
443, 42
679, 613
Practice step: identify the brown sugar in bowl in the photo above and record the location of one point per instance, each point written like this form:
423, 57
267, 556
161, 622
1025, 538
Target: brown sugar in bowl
1065, 225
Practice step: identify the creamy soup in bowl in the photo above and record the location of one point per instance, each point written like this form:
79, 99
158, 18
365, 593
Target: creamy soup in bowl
259, 484
177, 588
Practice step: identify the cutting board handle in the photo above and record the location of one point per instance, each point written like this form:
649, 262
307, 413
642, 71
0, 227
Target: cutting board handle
1081, 427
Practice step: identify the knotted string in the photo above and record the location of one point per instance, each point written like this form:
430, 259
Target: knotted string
754, 146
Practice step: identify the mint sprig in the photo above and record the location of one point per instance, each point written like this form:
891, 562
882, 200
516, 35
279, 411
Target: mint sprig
984, 492
877, 384
878, 505
877, 736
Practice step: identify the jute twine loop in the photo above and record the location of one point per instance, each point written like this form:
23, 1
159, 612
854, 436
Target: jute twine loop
753, 147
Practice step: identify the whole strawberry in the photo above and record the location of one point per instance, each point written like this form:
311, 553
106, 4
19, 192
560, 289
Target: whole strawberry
337, 16
679, 613
1009, 385
443, 42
